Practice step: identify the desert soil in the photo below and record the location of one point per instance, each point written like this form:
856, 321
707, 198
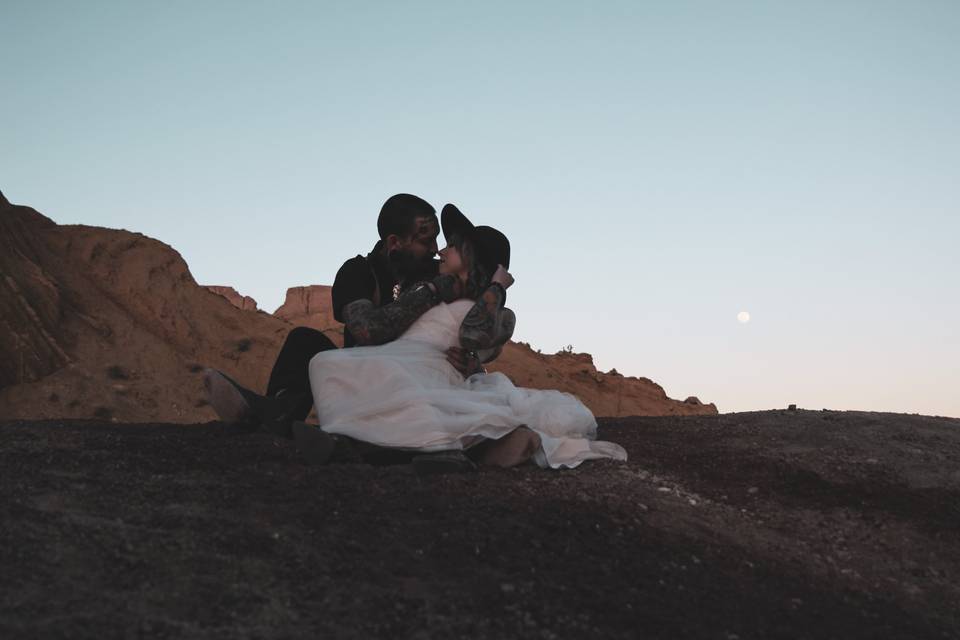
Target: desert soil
755, 525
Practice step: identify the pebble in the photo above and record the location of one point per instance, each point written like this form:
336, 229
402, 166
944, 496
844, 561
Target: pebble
753, 490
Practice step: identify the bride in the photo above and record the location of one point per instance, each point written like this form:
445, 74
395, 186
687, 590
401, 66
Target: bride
406, 395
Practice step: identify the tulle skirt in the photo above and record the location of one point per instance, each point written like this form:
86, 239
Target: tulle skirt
406, 395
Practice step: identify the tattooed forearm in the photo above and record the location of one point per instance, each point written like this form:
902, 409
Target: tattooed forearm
488, 324
377, 325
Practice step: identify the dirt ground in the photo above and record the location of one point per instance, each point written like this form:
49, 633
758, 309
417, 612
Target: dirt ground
754, 525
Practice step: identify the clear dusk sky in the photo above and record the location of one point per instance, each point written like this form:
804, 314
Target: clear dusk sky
658, 166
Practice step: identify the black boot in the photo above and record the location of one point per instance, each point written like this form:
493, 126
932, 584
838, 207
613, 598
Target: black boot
315, 444
278, 413
236, 406
243, 411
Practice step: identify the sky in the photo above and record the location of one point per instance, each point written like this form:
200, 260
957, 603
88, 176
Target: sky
659, 167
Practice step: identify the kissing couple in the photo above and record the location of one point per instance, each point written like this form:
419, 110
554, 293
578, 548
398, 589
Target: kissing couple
409, 384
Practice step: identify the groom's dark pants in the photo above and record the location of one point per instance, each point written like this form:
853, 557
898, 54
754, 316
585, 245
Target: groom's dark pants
291, 375
291, 371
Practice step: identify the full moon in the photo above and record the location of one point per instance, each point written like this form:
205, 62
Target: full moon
743, 317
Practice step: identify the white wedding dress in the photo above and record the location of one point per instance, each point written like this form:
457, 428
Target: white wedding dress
405, 394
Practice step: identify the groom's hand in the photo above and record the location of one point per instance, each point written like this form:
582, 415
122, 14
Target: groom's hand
464, 361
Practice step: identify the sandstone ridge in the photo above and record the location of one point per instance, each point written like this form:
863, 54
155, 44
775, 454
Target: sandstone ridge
311, 306
240, 301
111, 324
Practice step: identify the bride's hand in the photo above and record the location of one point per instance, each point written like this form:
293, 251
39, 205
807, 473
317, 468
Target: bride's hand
464, 361
502, 277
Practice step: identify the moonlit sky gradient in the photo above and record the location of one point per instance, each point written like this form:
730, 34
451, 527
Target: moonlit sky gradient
658, 166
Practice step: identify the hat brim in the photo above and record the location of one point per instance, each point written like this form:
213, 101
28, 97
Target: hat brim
453, 222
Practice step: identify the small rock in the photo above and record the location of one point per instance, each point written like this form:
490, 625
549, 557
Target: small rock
753, 490
506, 587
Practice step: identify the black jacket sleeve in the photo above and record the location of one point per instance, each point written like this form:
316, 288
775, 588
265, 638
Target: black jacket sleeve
354, 281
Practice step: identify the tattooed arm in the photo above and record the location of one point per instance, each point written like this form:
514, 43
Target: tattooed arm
369, 324
488, 324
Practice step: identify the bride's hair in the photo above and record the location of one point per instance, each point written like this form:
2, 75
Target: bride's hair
477, 277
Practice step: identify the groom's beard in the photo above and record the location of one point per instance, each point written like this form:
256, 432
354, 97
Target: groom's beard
410, 268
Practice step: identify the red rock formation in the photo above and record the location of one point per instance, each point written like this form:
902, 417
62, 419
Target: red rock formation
245, 303
33, 340
311, 306
607, 394
111, 324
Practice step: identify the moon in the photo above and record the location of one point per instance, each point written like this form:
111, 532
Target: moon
743, 317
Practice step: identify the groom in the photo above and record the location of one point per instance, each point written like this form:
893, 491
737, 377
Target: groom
376, 299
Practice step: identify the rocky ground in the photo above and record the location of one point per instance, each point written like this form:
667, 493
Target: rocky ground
755, 525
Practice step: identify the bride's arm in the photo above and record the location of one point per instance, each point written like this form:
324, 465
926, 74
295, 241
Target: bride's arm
488, 324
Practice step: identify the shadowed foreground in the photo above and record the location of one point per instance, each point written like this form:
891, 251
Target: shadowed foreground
756, 525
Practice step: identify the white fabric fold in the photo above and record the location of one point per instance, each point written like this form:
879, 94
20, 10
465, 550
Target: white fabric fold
405, 394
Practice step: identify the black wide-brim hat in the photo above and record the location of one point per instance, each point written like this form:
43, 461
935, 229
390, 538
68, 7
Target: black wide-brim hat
492, 247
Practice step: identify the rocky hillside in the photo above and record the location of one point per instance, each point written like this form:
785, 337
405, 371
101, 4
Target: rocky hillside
33, 340
108, 323
607, 394
111, 324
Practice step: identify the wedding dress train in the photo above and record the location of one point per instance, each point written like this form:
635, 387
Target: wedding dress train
405, 394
